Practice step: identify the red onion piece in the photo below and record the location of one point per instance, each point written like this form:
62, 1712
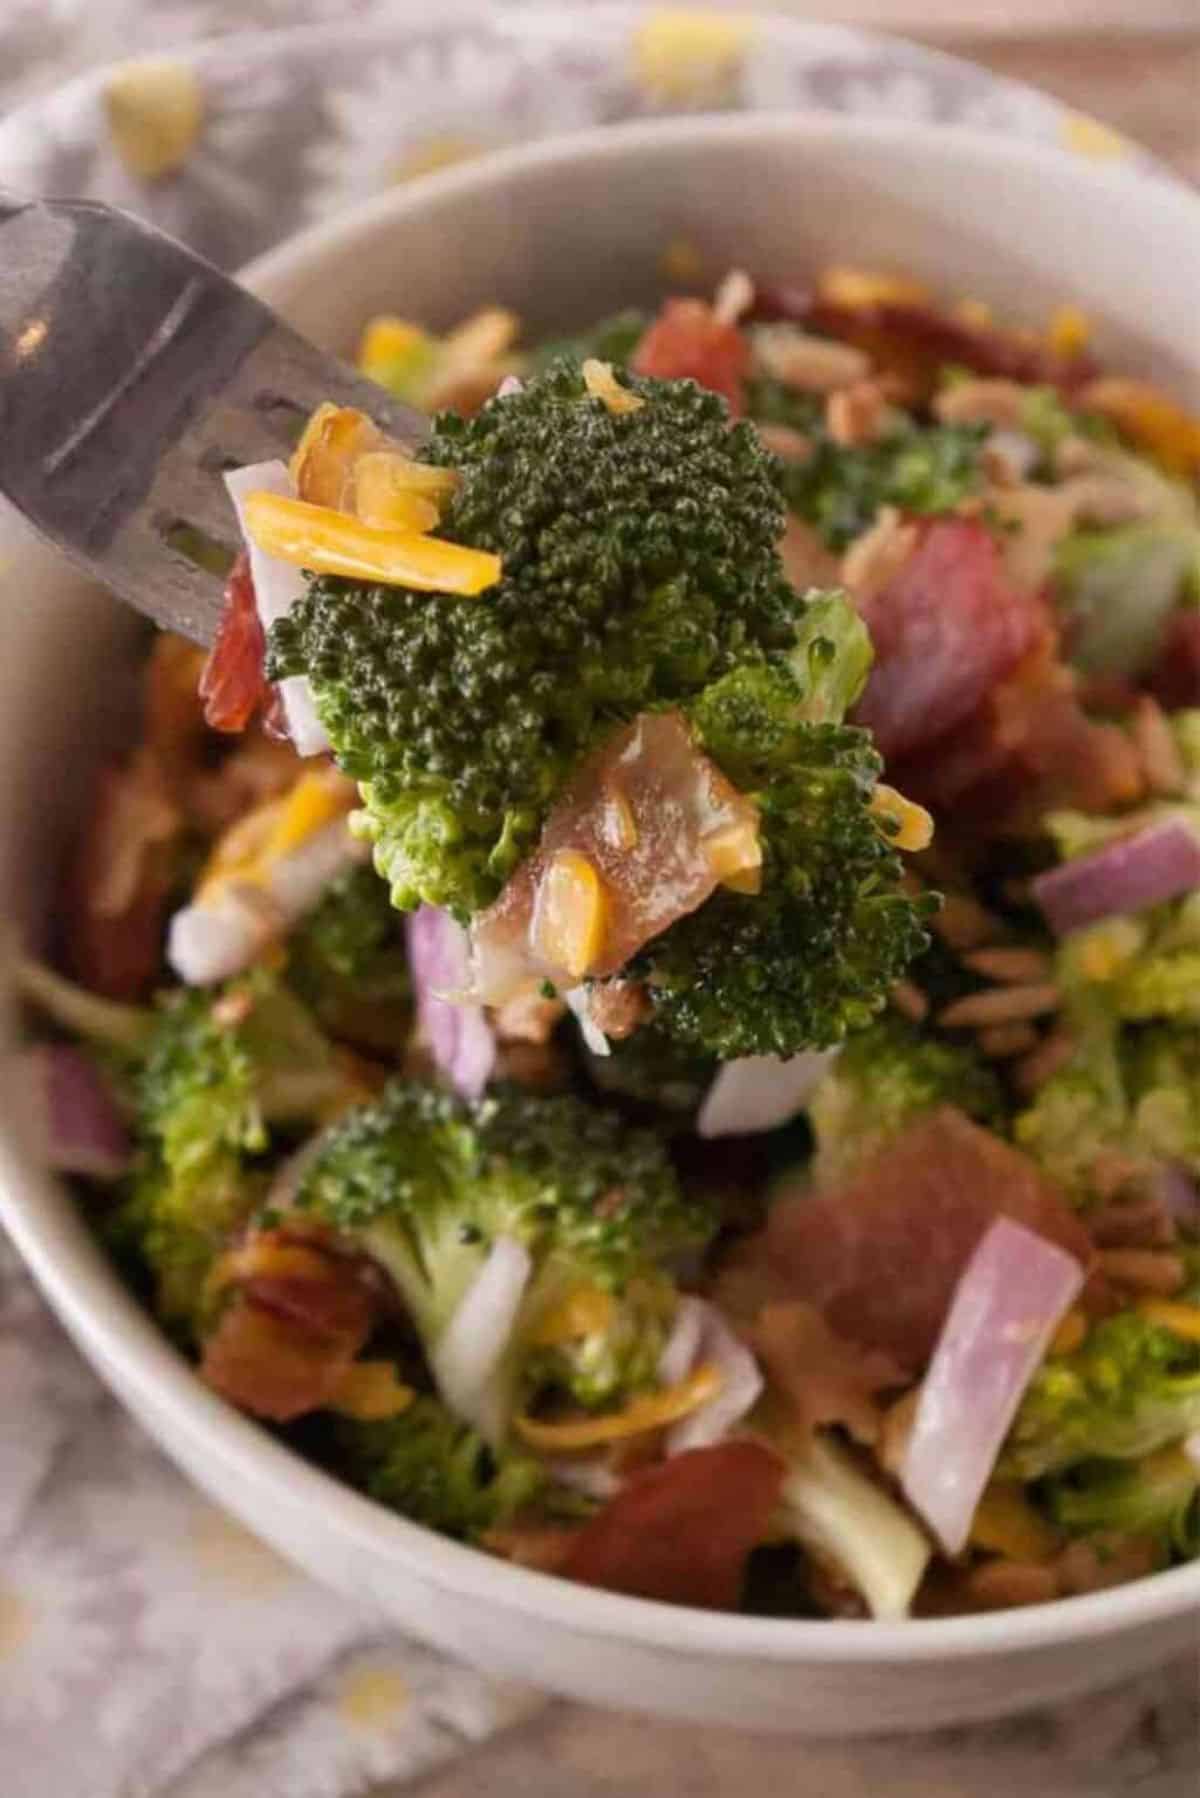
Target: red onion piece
277, 587
79, 1130
459, 1035
741, 1381
591, 1475
759, 1092
1007, 1305
1180, 1194
1150, 866
466, 1359
679, 1351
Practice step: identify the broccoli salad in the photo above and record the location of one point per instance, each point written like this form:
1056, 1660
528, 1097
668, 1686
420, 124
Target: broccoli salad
641, 1005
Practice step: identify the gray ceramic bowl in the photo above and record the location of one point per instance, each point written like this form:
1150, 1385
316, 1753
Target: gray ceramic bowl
562, 231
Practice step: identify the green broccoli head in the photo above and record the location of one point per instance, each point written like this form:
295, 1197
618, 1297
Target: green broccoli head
922, 469
426, 1183
1164, 1076
613, 340
348, 962
221, 1072
1082, 1111
1131, 1388
436, 1470
1157, 1496
811, 957
640, 564
650, 1069
886, 1076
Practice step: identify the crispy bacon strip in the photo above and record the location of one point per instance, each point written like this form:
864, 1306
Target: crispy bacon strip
688, 341
825, 1379
232, 684
681, 1531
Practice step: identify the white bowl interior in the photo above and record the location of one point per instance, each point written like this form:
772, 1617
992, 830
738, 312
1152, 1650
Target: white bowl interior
563, 232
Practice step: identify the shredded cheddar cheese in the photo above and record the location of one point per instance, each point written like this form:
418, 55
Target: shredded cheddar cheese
648, 1411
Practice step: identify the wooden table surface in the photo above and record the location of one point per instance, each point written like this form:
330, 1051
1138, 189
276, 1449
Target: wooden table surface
1137, 67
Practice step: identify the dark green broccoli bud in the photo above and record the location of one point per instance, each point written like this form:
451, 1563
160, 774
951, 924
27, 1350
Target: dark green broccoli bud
222, 1071
425, 1183
1132, 1387
613, 340
773, 402
348, 962
885, 1077
436, 1470
1156, 1496
811, 958
640, 564
924, 469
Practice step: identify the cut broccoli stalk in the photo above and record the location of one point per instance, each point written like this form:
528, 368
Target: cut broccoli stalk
852, 1525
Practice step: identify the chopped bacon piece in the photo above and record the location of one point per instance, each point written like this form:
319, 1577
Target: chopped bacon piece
918, 341
654, 820
1029, 747
688, 340
232, 684
946, 628
881, 1254
1175, 678
121, 878
285, 1339
825, 1379
681, 1531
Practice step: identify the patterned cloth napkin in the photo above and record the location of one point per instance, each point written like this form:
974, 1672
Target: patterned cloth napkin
148, 1645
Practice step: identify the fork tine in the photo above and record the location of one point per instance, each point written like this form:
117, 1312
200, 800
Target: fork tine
131, 374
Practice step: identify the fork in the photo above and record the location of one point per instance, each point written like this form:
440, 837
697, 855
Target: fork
133, 375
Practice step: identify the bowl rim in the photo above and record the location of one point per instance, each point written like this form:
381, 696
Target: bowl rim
48, 1226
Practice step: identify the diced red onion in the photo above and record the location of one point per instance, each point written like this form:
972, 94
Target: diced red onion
277, 587
679, 1350
579, 1001
591, 1475
466, 1359
457, 1032
1181, 1195
760, 1092
213, 939
1127, 875
712, 1341
510, 384
78, 1128
1007, 1305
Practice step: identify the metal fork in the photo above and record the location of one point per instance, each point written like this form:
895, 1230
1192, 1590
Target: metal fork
133, 374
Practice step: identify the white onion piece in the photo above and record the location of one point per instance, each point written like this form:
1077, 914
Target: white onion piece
577, 998
277, 587
510, 384
741, 1384
1007, 1305
830, 1505
760, 1092
679, 1351
466, 1359
593, 1476
457, 1033
214, 938
66, 1103
1127, 875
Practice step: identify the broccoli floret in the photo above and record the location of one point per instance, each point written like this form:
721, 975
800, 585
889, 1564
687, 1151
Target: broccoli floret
435, 1469
1156, 1496
348, 963
426, 1183
640, 564
221, 1072
1132, 1387
773, 402
923, 469
1081, 1111
1164, 1076
886, 1076
613, 340
1118, 588
812, 956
